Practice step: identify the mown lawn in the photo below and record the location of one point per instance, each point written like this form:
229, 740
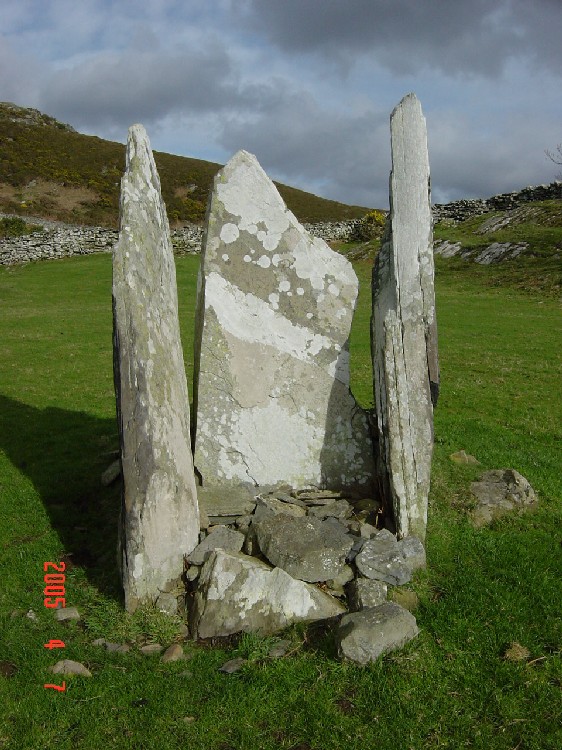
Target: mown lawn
453, 687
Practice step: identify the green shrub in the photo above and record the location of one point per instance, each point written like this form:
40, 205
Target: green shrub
369, 227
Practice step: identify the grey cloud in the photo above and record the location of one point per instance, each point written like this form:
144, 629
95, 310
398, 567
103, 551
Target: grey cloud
460, 37
297, 140
146, 84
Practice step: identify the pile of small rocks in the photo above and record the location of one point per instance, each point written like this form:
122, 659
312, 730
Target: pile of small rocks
283, 556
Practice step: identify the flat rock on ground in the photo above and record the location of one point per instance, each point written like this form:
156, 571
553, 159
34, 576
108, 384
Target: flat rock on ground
383, 558
237, 593
363, 636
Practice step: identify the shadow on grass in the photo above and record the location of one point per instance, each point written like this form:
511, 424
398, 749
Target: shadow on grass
64, 453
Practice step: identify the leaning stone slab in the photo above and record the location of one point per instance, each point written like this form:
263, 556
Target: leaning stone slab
221, 537
226, 501
403, 331
159, 518
275, 305
364, 636
237, 593
499, 492
307, 548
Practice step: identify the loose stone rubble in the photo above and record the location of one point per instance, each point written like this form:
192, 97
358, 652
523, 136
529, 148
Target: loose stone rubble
159, 516
404, 334
267, 590
271, 394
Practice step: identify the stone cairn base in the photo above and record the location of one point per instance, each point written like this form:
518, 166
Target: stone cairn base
282, 556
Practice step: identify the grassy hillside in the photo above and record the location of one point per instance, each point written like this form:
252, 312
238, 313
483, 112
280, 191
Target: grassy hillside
461, 683
47, 169
537, 268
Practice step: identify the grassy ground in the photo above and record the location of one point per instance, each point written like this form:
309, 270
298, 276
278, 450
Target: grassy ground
538, 224
454, 686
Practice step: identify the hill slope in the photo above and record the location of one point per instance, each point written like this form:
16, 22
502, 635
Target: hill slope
47, 169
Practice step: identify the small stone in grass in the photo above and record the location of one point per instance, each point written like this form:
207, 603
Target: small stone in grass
66, 613
151, 649
232, 666
173, 653
69, 667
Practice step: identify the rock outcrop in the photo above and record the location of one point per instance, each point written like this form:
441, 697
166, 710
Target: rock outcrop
159, 517
275, 304
404, 334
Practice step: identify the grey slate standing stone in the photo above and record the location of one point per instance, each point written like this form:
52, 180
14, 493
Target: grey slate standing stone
306, 548
275, 304
159, 517
403, 328
237, 593
365, 635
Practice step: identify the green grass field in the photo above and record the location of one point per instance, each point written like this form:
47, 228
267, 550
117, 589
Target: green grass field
452, 687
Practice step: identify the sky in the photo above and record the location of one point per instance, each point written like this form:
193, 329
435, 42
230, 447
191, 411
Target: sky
306, 85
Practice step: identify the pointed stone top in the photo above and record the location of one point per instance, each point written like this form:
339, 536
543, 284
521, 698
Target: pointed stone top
408, 102
140, 161
140, 179
246, 191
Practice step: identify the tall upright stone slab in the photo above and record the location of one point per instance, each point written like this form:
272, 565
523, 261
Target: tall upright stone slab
159, 517
275, 304
404, 334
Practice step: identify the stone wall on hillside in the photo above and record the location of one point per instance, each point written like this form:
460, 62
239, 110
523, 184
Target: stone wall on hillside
465, 209
59, 240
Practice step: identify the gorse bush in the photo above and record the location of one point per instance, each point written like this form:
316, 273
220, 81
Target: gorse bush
13, 226
369, 227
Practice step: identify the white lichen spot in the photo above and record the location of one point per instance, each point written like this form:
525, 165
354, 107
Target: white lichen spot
333, 289
271, 241
274, 299
300, 291
225, 256
261, 235
275, 259
229, 233
309, 316
247, 258
264, 261
284, 285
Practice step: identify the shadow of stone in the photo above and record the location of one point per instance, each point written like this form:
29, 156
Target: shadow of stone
64, 454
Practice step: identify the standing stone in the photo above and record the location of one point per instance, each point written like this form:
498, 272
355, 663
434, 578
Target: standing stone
275, 304
159, 516
403, 332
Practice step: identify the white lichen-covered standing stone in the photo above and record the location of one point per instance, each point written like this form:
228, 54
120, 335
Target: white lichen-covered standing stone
275, 305
160, 517
404, 334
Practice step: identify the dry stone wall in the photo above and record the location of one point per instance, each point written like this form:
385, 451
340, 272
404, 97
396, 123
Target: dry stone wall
465, 209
